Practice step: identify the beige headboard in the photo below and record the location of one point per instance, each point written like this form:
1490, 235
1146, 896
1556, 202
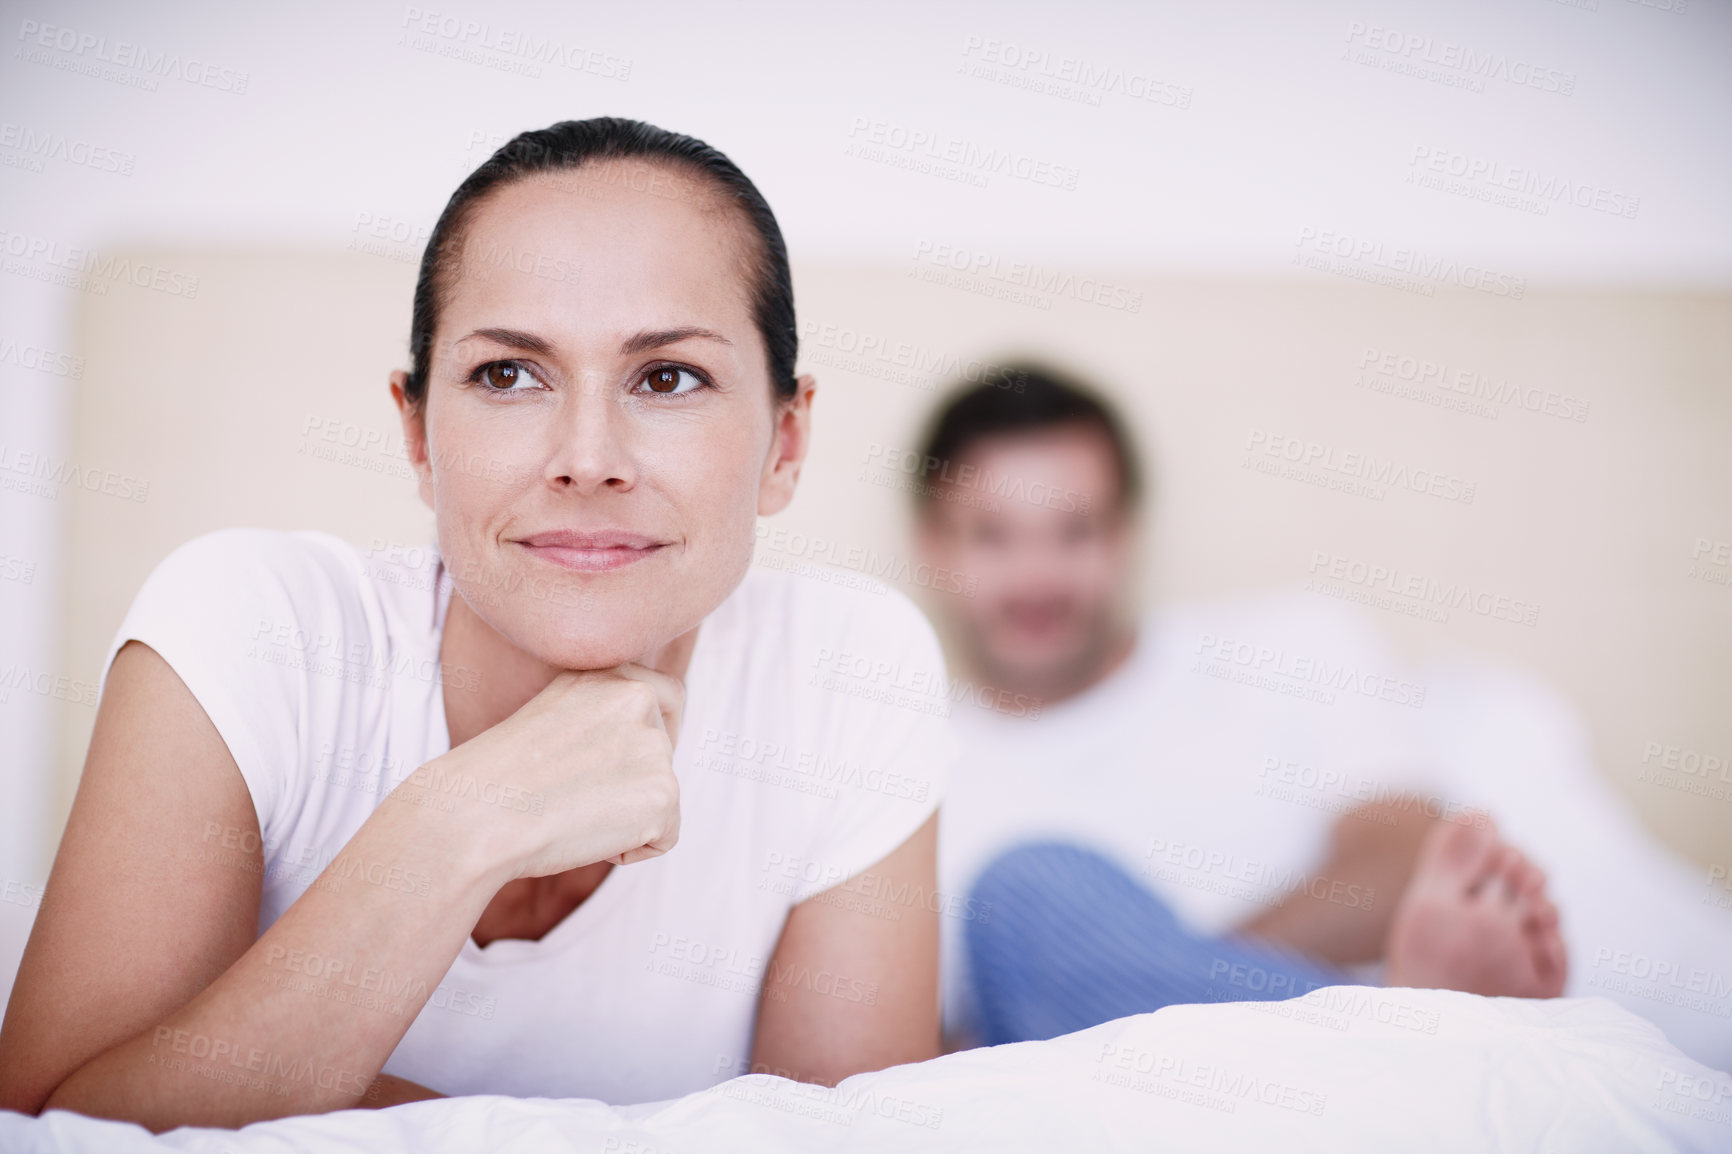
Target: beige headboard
263, 402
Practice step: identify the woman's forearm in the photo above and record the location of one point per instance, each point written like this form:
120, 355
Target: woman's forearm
304, 1021
306, 1018
390, 1090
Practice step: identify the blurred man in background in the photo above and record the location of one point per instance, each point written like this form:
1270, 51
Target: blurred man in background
1210, 803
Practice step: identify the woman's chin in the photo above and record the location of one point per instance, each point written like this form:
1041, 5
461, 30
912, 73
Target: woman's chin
644, 642
606, 632
592, 654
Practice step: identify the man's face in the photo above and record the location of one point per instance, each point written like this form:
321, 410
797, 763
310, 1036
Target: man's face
1039, 528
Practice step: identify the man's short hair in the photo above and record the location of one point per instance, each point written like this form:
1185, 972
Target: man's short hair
1020, 398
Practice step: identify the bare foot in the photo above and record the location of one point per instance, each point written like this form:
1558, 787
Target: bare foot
1476, 918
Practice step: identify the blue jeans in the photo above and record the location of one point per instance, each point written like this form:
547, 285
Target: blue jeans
1074, 941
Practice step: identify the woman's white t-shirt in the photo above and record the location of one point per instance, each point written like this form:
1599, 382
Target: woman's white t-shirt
814, 741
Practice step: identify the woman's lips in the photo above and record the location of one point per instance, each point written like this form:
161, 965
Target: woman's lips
591, 552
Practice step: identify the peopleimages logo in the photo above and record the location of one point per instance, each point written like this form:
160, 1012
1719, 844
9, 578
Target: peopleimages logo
971, 162
937, 471
1377, 579
1414, 49
91, 271
1468, 383
91, 50
40, 360
1022, 278
1248, 879
1366, 258
868, 562
473, 40
1063, 76
728, 750
922, 688
54, 475
1283, 670
1712, 561
904, 362
41, 145
1356, 466
1549, 187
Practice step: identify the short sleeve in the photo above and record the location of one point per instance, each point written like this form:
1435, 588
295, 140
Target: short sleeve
882, 687
218, 610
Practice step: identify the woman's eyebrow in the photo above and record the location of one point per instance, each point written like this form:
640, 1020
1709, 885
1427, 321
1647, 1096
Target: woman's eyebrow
636, 343
656, 338
514, 338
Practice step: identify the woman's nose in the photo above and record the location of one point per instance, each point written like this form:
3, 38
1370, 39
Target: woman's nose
592, 443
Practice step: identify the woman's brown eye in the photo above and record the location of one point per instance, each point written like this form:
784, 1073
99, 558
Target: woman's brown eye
664, 380
500, 375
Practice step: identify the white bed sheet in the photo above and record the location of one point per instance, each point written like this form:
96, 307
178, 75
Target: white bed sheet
1342, 1070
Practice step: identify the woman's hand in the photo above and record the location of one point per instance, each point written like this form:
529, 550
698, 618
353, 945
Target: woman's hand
582, 773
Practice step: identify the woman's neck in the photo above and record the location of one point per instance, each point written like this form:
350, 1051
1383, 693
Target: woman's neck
500, 677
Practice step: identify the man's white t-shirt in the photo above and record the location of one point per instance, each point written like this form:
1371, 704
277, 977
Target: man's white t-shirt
815, 740
1209, 764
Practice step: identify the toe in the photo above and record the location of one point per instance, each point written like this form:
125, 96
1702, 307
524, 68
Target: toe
1527, 882
1457, 856
1541, 913
1534, 885
1497, 878
1551, 961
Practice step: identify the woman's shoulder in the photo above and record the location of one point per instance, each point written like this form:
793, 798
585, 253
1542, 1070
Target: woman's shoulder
252, 587
283, 637
288, 554
846, 703
303, 569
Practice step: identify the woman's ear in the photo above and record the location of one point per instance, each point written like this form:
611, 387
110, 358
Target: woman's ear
414, 418
792, 436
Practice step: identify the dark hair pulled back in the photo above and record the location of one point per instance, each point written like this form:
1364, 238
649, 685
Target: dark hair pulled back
570, 145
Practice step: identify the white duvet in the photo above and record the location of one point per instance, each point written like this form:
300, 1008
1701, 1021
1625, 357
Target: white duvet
1342, 1070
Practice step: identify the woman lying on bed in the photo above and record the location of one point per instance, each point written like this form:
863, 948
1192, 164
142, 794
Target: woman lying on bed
346, 839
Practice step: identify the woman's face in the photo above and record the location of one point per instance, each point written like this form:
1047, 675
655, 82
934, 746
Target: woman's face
599, 431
